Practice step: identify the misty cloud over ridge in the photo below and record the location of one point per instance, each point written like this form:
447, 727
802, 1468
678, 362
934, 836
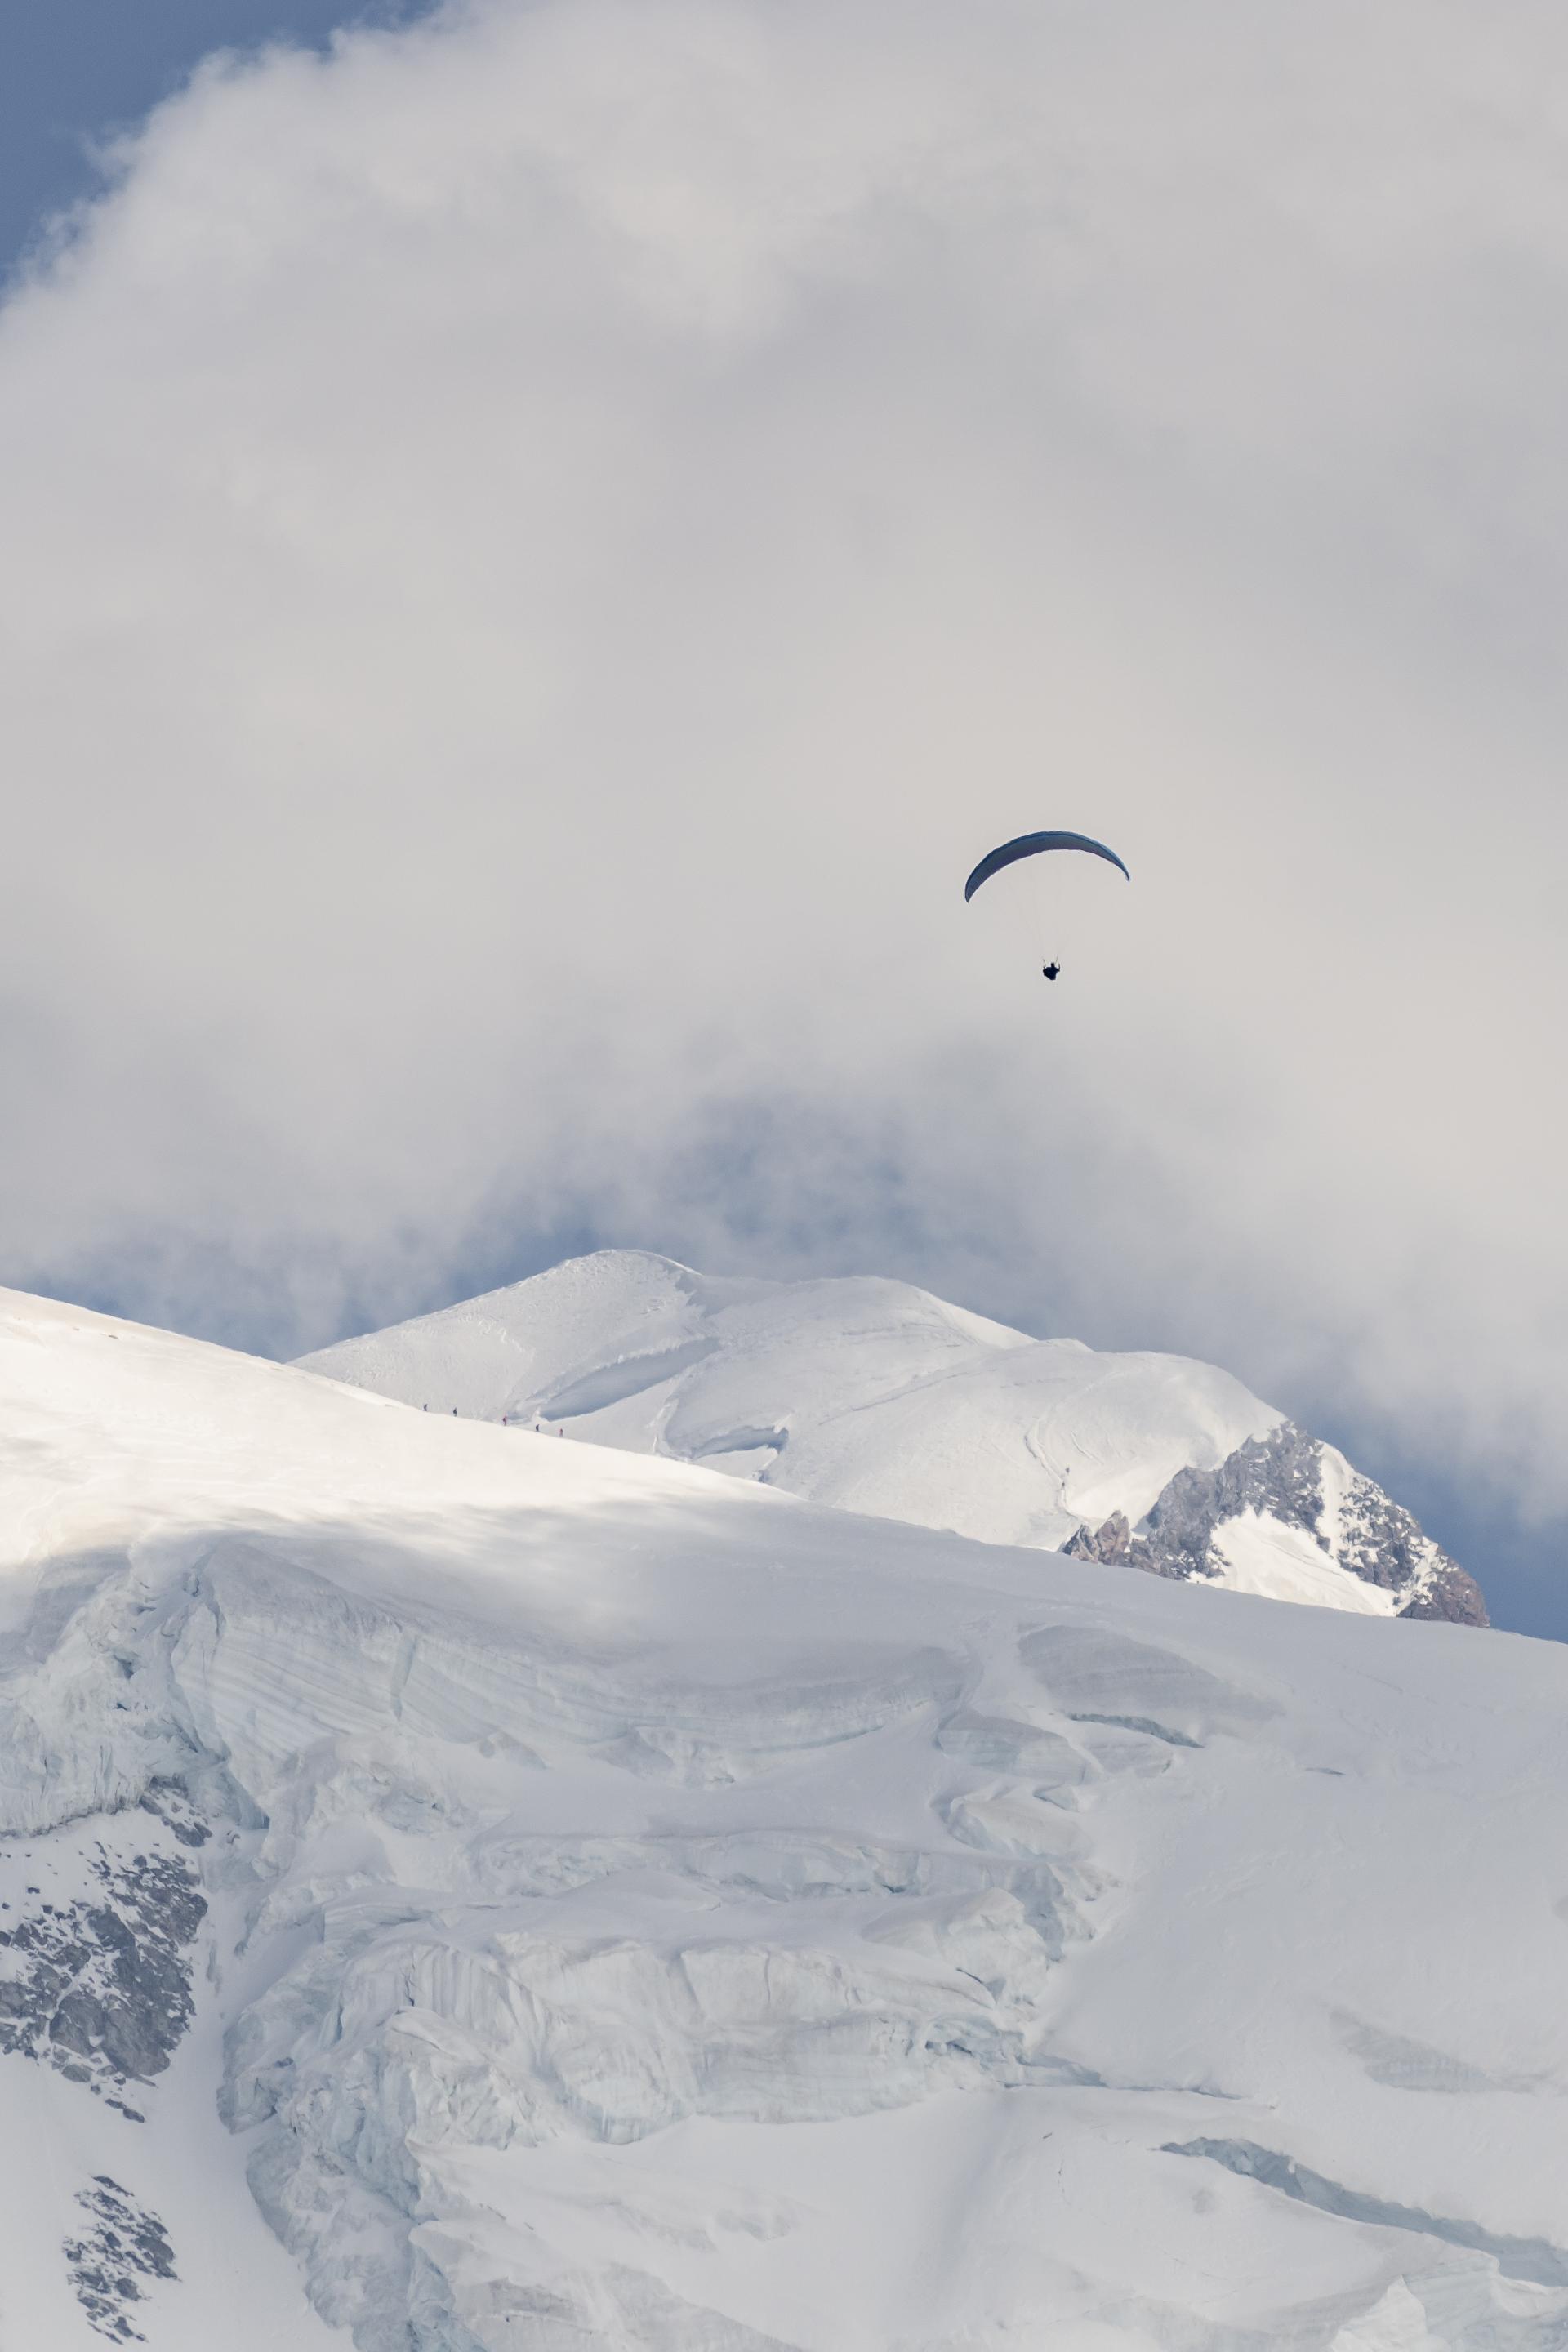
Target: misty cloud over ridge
537, 550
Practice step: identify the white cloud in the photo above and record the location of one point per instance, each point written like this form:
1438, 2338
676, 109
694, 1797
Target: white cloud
535, 550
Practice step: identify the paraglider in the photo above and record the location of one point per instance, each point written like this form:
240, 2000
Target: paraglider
1031, 845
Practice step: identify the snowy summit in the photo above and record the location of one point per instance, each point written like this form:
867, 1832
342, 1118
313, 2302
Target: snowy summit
877, 1397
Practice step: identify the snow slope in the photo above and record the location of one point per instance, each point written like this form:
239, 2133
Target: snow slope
877, 1397
610, 1904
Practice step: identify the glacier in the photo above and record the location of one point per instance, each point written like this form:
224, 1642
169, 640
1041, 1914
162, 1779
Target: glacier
878, 1397
462, 1889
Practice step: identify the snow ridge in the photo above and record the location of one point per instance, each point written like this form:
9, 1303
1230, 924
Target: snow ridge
878, 1398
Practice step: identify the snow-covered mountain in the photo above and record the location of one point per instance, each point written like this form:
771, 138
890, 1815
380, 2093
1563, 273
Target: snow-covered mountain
878, 1398
489, 1895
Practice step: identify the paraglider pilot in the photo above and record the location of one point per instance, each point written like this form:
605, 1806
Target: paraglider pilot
1031, 845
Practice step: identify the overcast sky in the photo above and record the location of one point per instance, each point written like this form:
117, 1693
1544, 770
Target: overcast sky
536, 548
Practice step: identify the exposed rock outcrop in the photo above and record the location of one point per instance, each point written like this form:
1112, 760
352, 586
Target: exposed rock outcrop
1296, 1481
121, 2248
99, 1987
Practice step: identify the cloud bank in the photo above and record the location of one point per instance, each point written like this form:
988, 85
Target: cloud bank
536, 550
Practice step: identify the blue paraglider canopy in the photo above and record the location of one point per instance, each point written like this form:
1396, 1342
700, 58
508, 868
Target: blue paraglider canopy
1030, 845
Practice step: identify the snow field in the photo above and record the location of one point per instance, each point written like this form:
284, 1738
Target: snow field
870, 1395
875, 1397
647, 1910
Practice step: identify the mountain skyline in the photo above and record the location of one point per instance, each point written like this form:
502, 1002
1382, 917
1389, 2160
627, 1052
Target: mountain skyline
878, 1398
544, 543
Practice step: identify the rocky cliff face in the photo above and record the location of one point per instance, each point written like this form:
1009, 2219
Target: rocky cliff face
1297, 1483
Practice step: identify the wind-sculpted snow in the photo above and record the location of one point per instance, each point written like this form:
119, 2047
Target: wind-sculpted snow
878, 1398
620, 1906
1517, 2258
1090, 1669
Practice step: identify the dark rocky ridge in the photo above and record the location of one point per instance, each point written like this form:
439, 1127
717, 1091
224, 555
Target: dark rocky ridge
1280, 1477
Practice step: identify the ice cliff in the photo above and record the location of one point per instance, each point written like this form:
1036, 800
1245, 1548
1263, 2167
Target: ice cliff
475, 1891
